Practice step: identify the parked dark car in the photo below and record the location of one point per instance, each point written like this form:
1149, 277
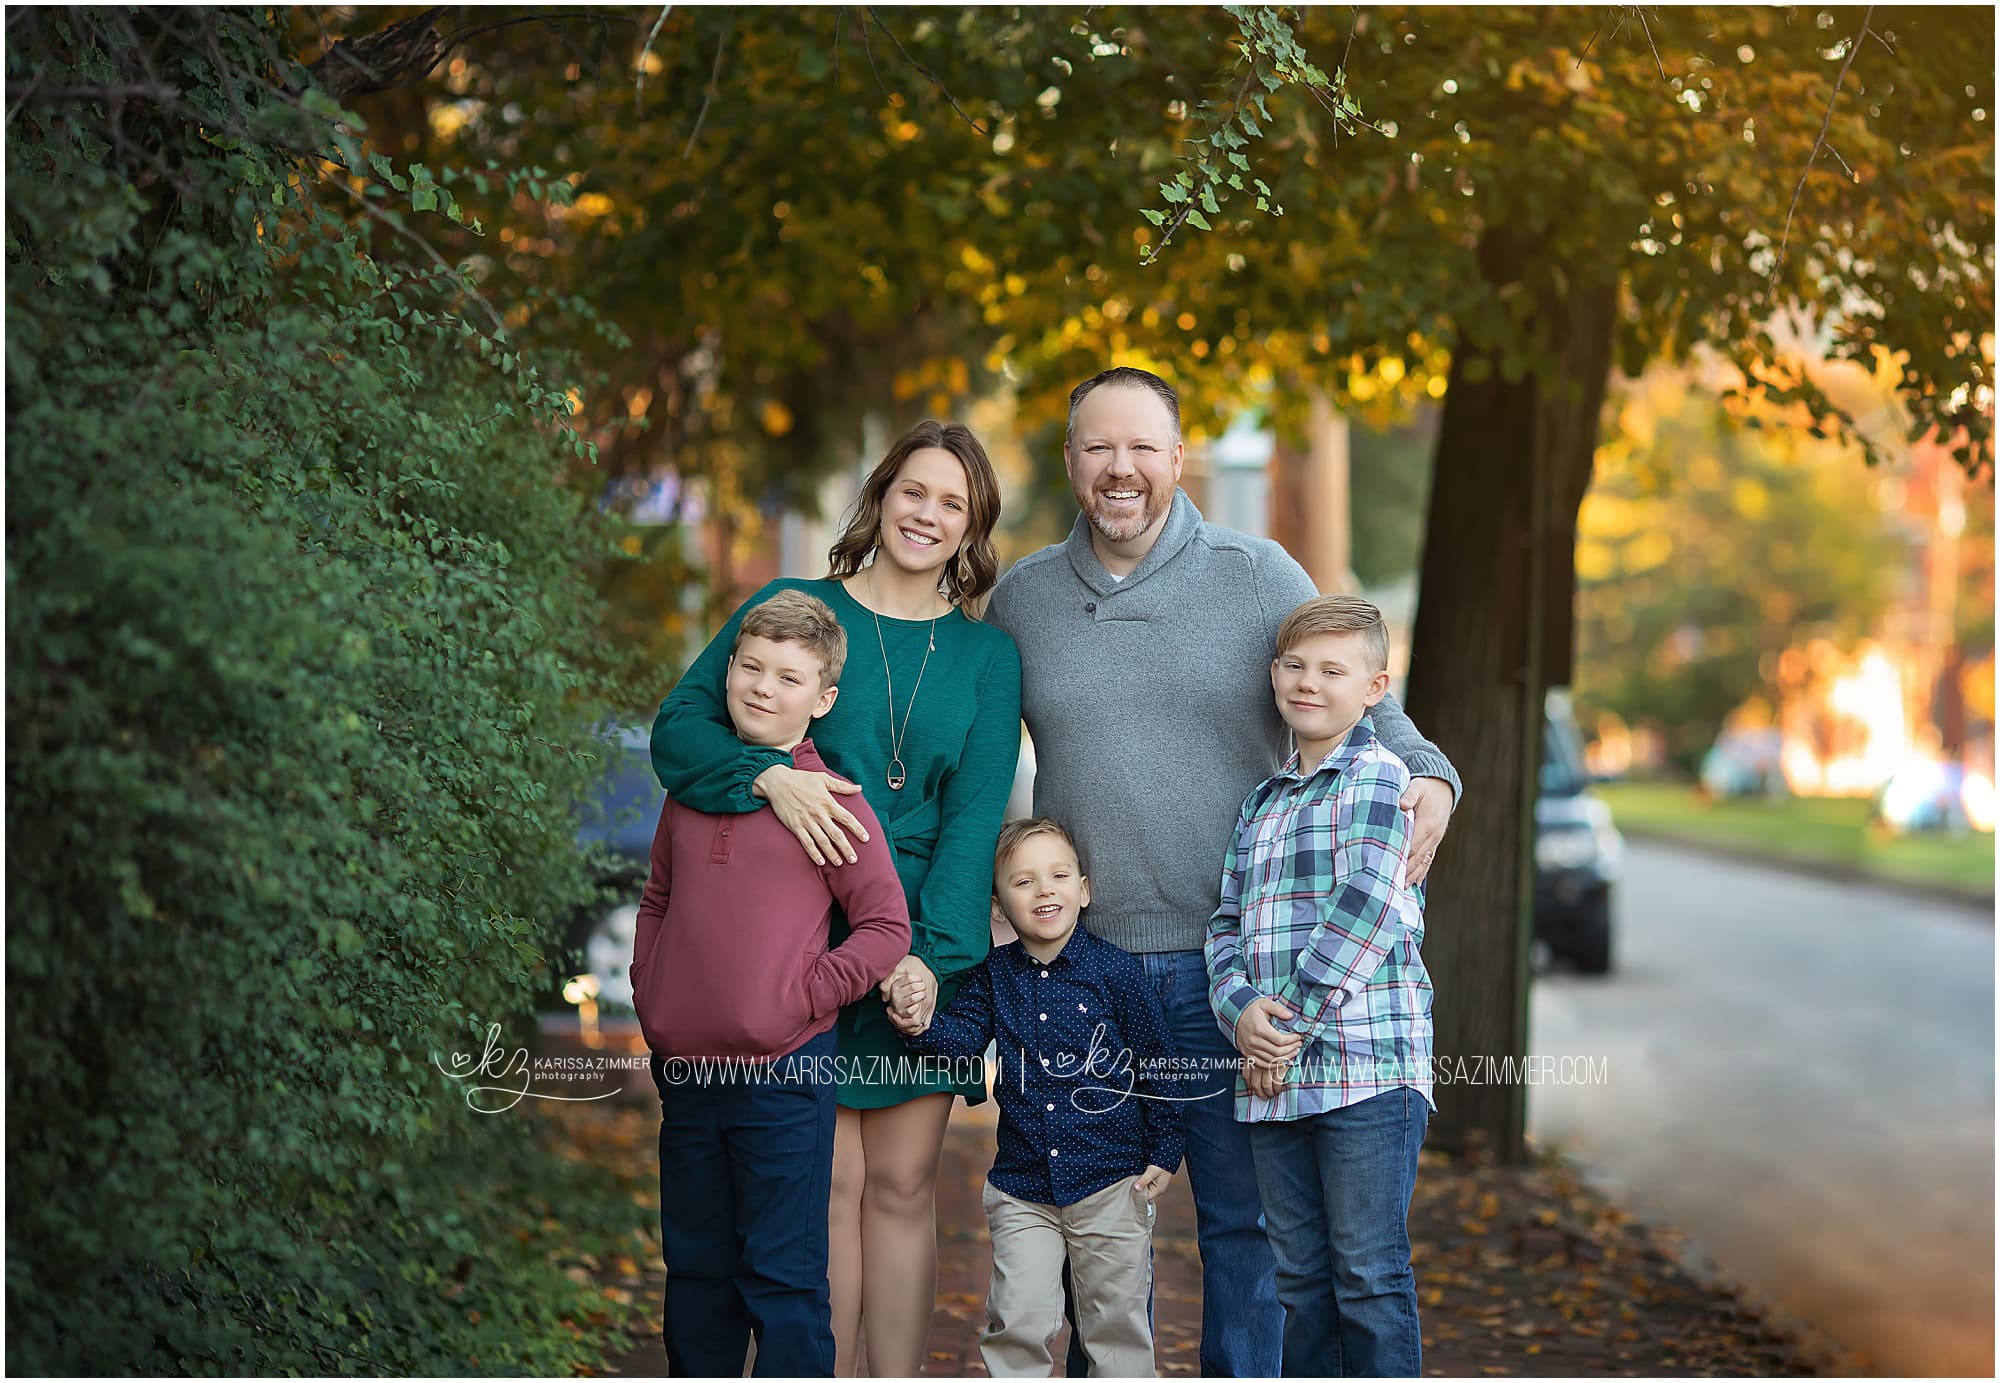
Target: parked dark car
618, 820
1578, 850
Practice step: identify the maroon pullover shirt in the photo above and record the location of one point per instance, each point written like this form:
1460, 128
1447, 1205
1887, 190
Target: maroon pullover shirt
732, 957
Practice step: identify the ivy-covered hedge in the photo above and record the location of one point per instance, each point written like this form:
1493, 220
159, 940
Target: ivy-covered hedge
301, 678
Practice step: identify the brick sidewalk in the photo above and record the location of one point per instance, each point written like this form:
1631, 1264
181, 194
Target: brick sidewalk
1519, 1271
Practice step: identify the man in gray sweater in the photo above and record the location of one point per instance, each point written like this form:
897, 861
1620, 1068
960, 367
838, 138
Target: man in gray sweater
1146, 640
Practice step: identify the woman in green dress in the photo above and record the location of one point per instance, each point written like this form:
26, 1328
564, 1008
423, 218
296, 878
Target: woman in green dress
927, 727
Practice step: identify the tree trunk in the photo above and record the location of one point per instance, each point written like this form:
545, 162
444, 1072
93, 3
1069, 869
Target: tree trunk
1493, 631
1311, 507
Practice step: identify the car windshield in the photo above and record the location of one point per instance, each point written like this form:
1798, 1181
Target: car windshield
625, 808
1563, 773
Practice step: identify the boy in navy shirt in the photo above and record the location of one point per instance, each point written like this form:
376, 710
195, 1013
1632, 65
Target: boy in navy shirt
1088, 1135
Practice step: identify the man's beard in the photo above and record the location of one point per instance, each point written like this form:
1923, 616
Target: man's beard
1125, 530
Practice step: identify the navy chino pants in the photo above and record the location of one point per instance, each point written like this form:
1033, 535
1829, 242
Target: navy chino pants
746, 1171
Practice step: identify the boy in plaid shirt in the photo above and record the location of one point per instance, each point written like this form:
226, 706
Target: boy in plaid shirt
1314, 972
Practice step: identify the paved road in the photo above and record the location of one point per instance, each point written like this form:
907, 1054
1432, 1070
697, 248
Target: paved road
1800, 1076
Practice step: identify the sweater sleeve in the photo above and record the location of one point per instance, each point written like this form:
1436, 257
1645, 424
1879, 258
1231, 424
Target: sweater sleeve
696, 753
878, 921
1400, 737
1229, 987
951, 931
1283, 586
653, 903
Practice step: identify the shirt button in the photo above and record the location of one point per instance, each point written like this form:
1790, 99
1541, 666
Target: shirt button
1045, 1017
1090, 607
1051, 1106
1045, 1061
1045, 974
1055, 1152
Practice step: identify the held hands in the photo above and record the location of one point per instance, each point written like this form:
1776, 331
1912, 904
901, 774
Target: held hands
911, 991
1153, 1181
1429, 801
804, 802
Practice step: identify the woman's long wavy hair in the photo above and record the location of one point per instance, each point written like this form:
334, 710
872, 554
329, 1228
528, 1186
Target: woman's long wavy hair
971, 572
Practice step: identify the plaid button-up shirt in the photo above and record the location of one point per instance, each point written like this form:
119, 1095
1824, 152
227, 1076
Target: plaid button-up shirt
1317, 912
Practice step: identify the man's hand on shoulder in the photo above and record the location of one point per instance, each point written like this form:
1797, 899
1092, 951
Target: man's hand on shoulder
1429, 803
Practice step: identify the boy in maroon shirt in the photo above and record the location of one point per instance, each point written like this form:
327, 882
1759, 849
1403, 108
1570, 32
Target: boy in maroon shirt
737, 991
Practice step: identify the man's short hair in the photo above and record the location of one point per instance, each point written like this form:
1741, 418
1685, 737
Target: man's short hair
1023, 829
1131, 377
1338, 614
795, 617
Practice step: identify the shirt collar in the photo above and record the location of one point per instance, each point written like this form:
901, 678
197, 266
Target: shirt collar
1183, 522
1072, 950
1338, 758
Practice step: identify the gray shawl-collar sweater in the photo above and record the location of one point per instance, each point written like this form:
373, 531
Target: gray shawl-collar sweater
1149, 700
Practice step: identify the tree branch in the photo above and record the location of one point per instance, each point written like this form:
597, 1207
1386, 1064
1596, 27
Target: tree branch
407, 51
869, 48
934, 79
393, 224
714, 77
1648, 30
404, 52
1820, 143
1185, 209
639, 90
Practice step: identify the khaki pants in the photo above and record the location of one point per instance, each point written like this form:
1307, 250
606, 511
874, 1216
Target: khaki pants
1108, 1238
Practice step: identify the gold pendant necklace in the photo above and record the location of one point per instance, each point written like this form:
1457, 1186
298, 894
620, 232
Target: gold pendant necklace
898, 772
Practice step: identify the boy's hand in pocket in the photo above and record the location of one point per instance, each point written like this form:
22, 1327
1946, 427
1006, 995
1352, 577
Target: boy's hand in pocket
1154, 1181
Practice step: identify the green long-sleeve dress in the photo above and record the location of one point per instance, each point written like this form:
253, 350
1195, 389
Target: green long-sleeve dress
959, 753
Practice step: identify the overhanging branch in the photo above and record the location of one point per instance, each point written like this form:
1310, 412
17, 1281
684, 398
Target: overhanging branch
409, 50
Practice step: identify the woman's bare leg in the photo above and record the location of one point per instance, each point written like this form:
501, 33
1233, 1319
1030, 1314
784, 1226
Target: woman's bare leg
902, 1146
843, 1224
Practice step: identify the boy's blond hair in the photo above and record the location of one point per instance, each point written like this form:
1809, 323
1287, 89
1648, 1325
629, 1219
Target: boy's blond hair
1023, 829
795, 617
1338, 614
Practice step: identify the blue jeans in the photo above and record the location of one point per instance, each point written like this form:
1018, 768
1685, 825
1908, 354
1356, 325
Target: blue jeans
1241, 1321
1336, 1189
746, 1170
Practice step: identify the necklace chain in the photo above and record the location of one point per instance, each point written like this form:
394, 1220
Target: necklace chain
898, 773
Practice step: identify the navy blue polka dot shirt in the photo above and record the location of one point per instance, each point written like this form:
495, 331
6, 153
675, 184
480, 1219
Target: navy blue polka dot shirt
1084, 1061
